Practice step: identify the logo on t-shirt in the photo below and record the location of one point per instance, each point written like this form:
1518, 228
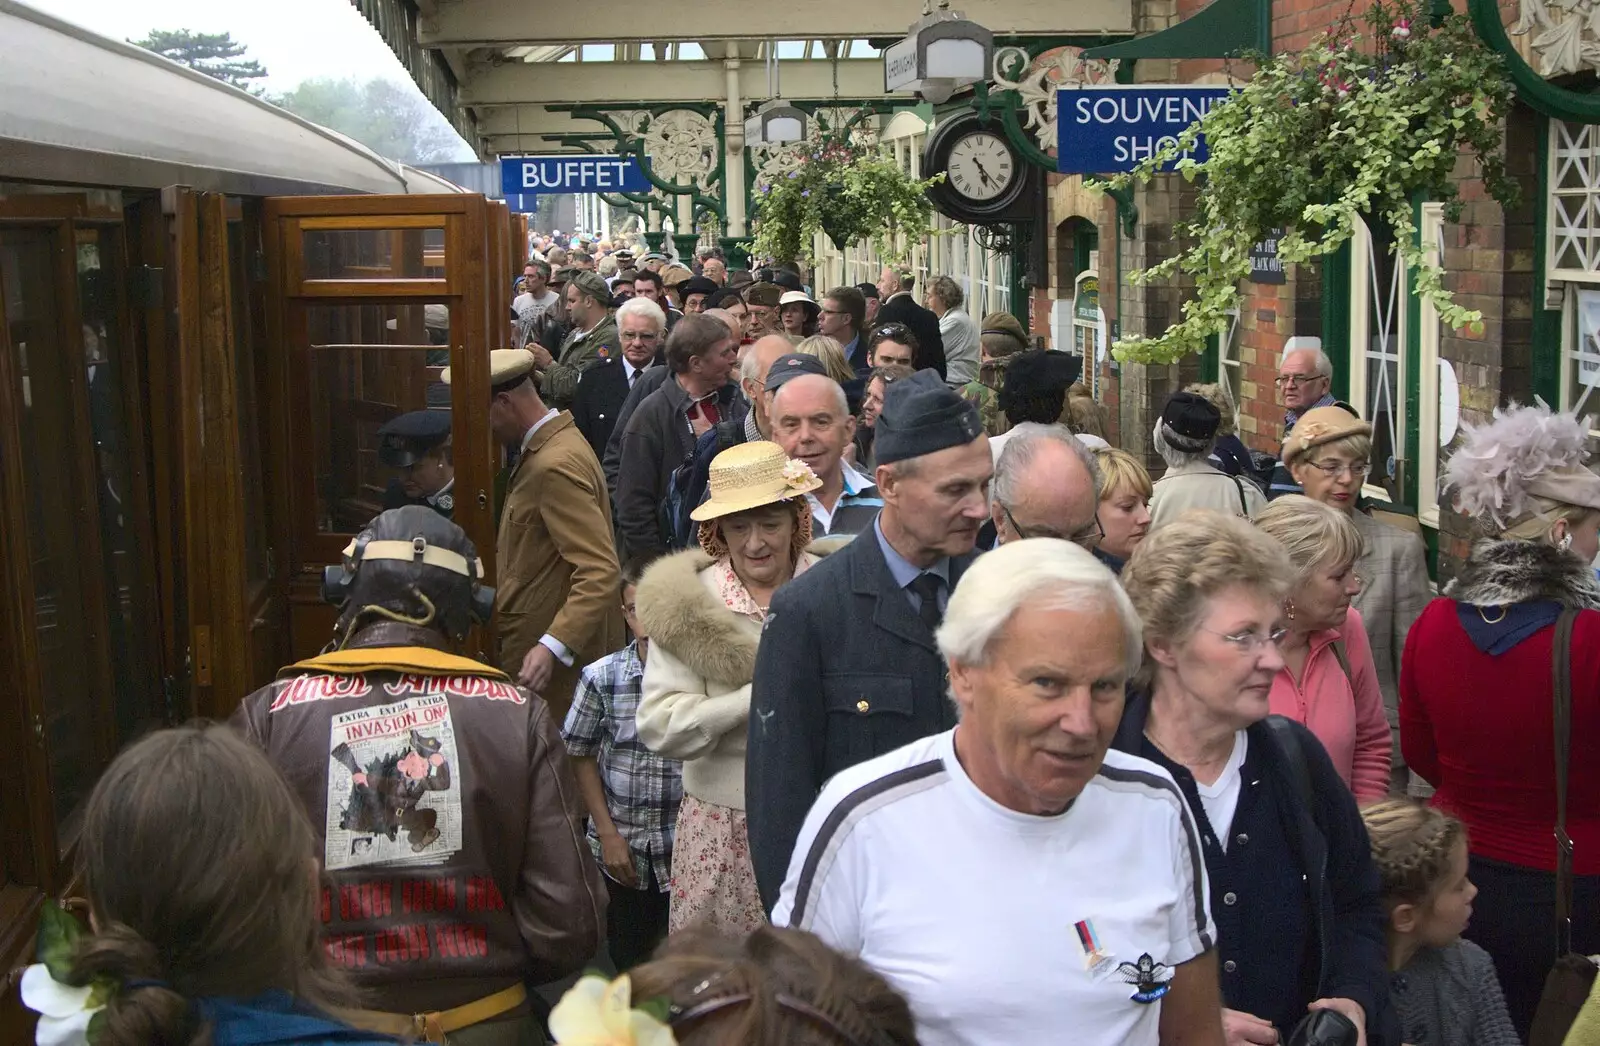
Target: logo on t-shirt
1151, 978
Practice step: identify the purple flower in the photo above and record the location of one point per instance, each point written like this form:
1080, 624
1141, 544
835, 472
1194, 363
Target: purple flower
805, 192
794, 174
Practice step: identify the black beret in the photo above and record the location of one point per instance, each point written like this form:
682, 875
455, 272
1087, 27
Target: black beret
922, 415
1189, 422
1038, 373
404, 440
697, 285
792, 365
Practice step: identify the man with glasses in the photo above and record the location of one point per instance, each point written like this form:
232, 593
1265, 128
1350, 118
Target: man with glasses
1046, 485
1305, 378
604, 388
848, 667
844, 311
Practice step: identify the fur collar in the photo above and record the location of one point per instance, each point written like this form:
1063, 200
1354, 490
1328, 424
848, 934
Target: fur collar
680, 614
1498, 573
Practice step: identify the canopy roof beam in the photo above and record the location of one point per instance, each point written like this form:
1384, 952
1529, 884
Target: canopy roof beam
509, 23
601, 83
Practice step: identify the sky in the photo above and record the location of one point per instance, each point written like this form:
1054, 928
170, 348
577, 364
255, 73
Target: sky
295, 39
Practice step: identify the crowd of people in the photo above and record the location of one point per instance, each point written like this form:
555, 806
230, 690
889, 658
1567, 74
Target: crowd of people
851, 688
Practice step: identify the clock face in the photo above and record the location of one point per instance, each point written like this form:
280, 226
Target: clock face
981, 166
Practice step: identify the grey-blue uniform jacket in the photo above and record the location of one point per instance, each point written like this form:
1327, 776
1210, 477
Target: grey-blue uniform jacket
846, 671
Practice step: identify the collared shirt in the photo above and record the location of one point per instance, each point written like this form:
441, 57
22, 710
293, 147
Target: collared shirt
642, 789
850, 351
904, 571
1292, 416
752, 431
630, 372
855, 510
548, 641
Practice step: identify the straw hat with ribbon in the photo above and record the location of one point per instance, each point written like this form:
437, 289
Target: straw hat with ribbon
750, 475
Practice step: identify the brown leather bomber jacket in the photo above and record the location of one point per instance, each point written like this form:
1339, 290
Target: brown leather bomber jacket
450, 825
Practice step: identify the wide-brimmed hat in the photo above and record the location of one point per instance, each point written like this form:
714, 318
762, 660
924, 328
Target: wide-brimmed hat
750, 475
799, 298
1319, 426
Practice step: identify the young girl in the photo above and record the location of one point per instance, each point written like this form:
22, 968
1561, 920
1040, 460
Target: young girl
1444, 988
204, 906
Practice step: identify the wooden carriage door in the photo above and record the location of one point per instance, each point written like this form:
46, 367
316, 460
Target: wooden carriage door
211, 391
371, 297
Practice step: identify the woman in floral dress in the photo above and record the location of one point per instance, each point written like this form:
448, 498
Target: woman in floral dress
703, 610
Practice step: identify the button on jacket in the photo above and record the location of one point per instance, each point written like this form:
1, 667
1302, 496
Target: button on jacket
846, 671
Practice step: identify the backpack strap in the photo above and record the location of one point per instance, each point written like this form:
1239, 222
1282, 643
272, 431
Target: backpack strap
1343, 657
1244, 506
1561, 696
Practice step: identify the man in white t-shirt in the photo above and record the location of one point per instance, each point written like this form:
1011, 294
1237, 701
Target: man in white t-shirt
1014, 879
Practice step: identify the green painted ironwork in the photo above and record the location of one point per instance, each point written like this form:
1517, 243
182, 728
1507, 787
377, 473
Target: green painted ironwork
1336, 317
1546, 360
1225, 29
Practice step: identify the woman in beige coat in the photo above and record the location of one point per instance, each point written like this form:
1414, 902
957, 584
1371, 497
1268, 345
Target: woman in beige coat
704, 610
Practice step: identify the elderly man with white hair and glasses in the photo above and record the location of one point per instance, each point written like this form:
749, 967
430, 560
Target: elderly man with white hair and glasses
1014, 877
1305, 380
1046, 485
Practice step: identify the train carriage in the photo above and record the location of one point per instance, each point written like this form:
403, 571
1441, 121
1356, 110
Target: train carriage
208, 306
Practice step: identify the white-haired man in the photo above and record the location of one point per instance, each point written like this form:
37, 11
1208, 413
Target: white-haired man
1014, 877
604, 388
1046, 485
1305, 378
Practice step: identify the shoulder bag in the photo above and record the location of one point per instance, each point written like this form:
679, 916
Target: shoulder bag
1567, 986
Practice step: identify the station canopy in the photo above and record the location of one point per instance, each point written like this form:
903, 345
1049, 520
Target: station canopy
495, 67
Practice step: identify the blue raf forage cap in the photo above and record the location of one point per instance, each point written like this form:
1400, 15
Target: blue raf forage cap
405, 440
922, 415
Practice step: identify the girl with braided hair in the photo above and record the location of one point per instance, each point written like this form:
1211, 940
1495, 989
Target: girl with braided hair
1444, 988
1477, 698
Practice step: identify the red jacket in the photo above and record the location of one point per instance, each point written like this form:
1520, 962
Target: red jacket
1478, 727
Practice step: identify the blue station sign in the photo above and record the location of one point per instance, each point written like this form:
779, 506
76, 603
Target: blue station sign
1113, 129
571, 173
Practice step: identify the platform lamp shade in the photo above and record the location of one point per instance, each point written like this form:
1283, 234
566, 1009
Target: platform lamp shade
775, 124
942, 53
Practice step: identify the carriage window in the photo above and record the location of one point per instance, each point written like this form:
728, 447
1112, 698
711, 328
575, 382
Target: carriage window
129, 600
368, 364
373, 254
43, 355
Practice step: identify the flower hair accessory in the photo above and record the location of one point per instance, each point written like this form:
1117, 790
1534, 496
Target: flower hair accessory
597, 1012
69, 1014
798, 475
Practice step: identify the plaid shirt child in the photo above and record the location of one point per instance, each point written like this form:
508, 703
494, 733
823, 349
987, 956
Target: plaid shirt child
642, 789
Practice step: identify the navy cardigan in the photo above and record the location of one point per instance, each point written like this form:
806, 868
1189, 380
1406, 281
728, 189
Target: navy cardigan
1295, 896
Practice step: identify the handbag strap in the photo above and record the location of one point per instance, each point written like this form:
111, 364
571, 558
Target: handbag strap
1561, 692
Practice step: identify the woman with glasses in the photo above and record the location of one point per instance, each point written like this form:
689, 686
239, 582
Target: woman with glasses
1327, 681
1294, 893
1327, 453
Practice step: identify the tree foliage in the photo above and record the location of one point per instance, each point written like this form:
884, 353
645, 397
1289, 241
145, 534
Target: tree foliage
217, 55
380, 114
1351, 126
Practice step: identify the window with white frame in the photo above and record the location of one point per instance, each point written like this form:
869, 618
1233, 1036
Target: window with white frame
1573, 241
1439, 400
1378, 303
1228, 359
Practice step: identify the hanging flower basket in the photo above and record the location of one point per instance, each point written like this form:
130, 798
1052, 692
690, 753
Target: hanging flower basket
1355, 125
852, 193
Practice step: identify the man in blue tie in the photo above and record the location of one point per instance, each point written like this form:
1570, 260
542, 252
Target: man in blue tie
848, 668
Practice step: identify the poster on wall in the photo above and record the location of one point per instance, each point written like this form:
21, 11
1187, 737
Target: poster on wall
1587, 353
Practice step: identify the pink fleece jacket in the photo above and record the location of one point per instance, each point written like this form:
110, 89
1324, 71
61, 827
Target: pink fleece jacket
1346, 714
